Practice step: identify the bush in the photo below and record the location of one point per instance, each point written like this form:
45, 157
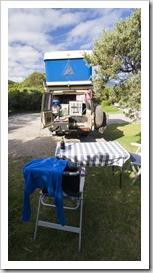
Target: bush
105, 103
24, 100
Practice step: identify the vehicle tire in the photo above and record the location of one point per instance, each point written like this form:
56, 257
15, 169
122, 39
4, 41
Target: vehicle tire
98, 116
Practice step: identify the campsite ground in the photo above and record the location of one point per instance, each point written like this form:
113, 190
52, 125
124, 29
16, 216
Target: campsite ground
111, 220
27, 138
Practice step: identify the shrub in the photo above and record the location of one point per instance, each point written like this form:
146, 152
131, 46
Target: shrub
24, 100
105, 103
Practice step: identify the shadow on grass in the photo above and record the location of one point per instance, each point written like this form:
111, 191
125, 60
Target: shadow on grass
112, 132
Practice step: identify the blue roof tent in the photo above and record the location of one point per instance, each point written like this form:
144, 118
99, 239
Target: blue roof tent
67, 68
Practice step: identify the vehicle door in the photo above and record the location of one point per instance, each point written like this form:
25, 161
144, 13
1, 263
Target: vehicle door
46, 110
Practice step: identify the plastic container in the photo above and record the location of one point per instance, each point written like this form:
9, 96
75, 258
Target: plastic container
56, 107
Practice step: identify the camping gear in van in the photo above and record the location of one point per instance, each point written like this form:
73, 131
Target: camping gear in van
55, 107
69, 80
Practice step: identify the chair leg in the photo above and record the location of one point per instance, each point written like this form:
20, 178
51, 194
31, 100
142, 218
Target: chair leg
38, 211
133, 168
80, 226
80, 233
136, 177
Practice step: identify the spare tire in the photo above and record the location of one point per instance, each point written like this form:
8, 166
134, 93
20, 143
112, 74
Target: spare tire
98, 116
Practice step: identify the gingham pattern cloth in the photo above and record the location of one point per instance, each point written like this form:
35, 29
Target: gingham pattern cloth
94, 154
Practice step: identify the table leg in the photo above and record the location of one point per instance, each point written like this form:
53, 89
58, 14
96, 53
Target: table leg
120, 177
120, 181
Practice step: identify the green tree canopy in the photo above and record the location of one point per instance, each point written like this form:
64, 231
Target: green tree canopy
128, 94
36, 79
117, 51
11, 82
26, 96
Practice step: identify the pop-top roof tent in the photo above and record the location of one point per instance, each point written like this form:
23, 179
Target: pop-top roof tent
67, 69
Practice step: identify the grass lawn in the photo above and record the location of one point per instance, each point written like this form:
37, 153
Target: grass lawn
111, 216
111, 109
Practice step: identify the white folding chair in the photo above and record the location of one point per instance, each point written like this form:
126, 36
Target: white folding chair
72, 185
135, 161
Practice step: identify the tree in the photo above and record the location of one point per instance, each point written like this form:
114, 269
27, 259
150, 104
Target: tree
11, 82
117, 52
128, 93
36, 79
26, 96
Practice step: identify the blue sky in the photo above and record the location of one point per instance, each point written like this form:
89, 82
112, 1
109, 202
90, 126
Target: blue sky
34, 31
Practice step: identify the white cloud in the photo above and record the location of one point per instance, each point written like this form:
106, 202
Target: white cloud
23, 53
92, 28
30, 36
32, 32
23, 60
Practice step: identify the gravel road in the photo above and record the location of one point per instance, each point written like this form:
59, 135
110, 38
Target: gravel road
26, 138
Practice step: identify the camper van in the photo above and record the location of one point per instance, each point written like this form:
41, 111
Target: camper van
67, 106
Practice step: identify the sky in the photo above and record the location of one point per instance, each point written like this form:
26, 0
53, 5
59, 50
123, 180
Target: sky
34, 31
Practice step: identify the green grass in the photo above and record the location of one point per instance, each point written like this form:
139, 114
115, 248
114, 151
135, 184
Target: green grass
124, 134
111, 216
111, 109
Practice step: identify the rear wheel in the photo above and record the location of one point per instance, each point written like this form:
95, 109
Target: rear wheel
98, 116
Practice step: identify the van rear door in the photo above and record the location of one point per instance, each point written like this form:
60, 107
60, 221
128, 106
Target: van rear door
46, 110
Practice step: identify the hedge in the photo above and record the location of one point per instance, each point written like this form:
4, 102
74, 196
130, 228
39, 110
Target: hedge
24, 100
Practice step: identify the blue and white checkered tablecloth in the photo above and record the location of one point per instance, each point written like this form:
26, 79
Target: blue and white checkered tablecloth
94, 153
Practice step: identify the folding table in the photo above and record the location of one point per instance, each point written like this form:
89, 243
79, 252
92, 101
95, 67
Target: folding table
94, 154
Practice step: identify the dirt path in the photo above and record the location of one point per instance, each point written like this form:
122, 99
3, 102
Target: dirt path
26, 138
